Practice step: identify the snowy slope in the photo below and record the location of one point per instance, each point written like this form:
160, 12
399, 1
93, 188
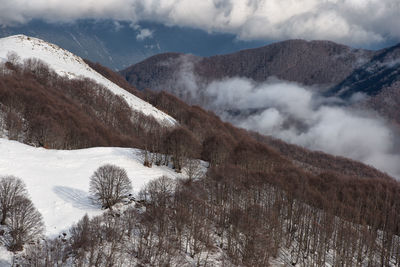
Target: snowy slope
66, 63
58, 180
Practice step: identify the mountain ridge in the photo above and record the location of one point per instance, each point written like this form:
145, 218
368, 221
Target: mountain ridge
305, 62
67, 64
277, 83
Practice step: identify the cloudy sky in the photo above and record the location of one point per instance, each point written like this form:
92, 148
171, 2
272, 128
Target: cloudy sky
363, 23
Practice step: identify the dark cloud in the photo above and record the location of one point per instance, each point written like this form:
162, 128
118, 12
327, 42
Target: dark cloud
355, 22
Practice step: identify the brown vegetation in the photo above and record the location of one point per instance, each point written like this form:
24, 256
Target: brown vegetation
255, 199
246, 218
44, 109
309, 63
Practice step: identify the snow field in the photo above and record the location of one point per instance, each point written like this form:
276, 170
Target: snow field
58, 180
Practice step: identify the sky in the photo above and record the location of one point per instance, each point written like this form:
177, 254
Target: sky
359, 23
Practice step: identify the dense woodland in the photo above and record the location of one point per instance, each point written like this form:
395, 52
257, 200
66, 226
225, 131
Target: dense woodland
256, 202
39, 107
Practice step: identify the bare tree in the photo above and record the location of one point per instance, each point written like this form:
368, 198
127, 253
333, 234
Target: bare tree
11, 188
109, 185
193, 169
159, 191
23, 225
181, 144
216, 148
13, 58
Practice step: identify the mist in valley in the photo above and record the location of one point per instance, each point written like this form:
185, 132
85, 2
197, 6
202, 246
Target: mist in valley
295, 114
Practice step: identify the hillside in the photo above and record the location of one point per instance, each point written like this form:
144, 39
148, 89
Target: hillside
379, 81
64, 63
334, 69
310, 63
58, 180
52, 98
381, 72
283, 90
258, 202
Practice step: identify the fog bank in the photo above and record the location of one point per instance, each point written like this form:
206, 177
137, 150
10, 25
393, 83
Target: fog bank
298, 115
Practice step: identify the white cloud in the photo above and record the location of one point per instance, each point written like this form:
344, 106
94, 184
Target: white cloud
144, 34
356, 22
295, 114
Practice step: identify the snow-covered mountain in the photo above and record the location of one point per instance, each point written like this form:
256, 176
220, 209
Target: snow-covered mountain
67, 64
58, 180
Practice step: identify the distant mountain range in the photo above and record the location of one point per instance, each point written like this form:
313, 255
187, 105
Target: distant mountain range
117, 44
321, 63
334, 69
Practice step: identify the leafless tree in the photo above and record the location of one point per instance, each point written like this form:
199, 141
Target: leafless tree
11, 188
181, 144
193, 169
109, 185
159, 191
23, 225
13, 58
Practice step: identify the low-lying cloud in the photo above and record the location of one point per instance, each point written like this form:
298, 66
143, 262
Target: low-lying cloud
298, 115
355, 22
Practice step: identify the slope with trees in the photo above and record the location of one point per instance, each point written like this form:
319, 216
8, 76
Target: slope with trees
236, 217
257, 203
308, 63
41, 108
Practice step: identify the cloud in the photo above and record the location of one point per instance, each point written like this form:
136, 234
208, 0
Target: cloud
356, 22
118, 26
298, 115
295, 114
144, 34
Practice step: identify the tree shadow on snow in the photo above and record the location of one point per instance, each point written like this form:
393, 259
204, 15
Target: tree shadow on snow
78, 198
4, 263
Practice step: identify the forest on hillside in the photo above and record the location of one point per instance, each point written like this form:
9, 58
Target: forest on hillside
255, 203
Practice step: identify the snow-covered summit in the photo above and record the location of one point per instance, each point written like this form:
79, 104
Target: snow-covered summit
67, 64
